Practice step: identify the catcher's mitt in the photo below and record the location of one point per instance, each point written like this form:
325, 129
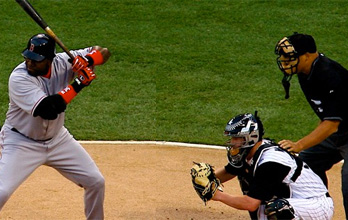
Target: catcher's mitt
204, 181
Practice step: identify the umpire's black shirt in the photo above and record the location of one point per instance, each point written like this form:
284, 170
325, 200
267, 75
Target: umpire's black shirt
326, 90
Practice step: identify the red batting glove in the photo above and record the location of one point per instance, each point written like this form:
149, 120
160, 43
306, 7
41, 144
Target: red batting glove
85, 76
79, 63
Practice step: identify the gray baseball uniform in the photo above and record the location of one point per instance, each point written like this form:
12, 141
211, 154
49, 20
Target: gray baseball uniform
28, 142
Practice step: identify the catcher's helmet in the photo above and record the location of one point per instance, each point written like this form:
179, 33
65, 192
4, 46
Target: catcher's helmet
40, 47
246, 126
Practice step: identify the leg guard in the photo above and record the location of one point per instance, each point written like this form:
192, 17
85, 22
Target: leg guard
279, 209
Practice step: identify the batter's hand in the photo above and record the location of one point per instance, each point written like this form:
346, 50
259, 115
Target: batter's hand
86, 76
79, 63
290, 146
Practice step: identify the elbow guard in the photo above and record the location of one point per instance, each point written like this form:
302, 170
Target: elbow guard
50, 107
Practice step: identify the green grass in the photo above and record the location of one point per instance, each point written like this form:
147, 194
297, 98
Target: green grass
179, 69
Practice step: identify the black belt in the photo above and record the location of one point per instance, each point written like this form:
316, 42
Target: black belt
15, 130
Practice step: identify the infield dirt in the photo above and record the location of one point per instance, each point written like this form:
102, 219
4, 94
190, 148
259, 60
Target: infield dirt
142, 182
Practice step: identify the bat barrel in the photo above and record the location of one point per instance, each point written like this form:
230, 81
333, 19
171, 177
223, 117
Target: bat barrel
29, 9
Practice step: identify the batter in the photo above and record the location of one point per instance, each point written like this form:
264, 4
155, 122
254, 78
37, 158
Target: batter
33, 133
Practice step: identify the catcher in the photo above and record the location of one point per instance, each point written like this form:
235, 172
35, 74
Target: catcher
275, 183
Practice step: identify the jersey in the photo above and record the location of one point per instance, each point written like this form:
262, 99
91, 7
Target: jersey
275, 173
326, 88
27, 142
26, 92
306, 185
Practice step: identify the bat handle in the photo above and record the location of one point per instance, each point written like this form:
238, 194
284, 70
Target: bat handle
59, 42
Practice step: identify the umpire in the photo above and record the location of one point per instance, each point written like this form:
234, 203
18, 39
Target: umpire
324, 82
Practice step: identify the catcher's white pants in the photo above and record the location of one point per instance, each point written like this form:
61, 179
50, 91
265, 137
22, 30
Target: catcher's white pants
318, 208
22, 156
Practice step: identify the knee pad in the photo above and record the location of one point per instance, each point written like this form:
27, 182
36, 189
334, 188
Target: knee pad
279, 209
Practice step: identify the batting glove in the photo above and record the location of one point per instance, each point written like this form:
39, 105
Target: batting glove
85, 76
79, 63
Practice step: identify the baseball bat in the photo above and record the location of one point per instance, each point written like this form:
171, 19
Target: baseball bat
29, 9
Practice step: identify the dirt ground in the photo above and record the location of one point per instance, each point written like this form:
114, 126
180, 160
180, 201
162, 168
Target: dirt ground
142, 182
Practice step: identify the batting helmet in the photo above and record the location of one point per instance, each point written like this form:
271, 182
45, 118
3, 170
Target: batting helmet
40, 47
246, 126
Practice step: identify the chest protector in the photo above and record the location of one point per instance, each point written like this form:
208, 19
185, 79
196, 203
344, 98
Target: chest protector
247, 172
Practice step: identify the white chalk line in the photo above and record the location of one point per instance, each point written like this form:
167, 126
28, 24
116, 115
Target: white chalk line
167, 143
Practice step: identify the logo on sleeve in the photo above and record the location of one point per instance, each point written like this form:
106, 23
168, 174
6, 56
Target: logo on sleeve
317, 103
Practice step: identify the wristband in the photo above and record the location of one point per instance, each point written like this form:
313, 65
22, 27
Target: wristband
68, 93
77, 85
95, 57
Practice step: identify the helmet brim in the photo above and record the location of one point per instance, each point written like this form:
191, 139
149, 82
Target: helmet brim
32, 56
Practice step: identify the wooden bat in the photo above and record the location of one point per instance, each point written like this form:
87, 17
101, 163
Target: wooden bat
28, 8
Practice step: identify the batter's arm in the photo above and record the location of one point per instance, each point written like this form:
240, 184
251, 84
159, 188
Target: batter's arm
104, 52
97, 56
50, 107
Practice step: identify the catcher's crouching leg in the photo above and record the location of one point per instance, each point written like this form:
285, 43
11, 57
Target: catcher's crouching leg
279, 209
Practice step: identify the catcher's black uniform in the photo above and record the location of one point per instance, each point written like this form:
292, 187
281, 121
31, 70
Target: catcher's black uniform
326, 90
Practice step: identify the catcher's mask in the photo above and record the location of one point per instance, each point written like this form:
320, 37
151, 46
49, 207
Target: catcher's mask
288, 51
287, 59
243, 132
